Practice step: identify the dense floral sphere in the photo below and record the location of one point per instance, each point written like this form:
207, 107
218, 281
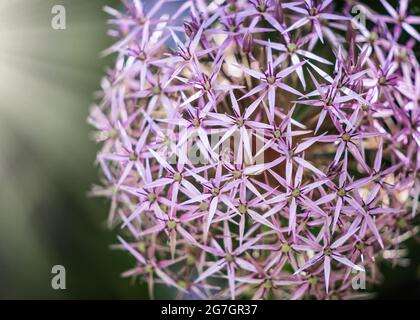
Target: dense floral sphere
262, 148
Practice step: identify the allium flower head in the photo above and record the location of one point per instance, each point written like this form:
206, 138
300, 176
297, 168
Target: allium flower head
261, 148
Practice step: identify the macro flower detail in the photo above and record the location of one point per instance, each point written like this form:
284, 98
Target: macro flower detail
259, 149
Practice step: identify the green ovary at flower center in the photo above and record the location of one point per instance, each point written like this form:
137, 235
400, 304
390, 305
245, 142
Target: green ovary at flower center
195, 123
327, 251
267, 284
171, 225
148, 268
271, 80
291, 47
177, 177
237, 174
207, 86
403, 55
240, 122
277, 134
373, 37
296, 193
141, 247
183, 284
329, 101
341, 192
133, 156
142, 20
231, 7
167, 141
113, 133
262, 7
312, 11
204, 206
382, 80
242, 209
142, 56
215, 191
156, 90
312, 281
151, 197
360, 246
191, 260
346, 137
285, 248
229, 257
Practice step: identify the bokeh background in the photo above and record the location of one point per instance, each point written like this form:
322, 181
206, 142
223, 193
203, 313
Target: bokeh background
47, 81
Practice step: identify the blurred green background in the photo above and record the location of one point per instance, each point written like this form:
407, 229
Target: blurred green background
47, 81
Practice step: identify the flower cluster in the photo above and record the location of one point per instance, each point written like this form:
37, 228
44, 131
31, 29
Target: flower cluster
260, 148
